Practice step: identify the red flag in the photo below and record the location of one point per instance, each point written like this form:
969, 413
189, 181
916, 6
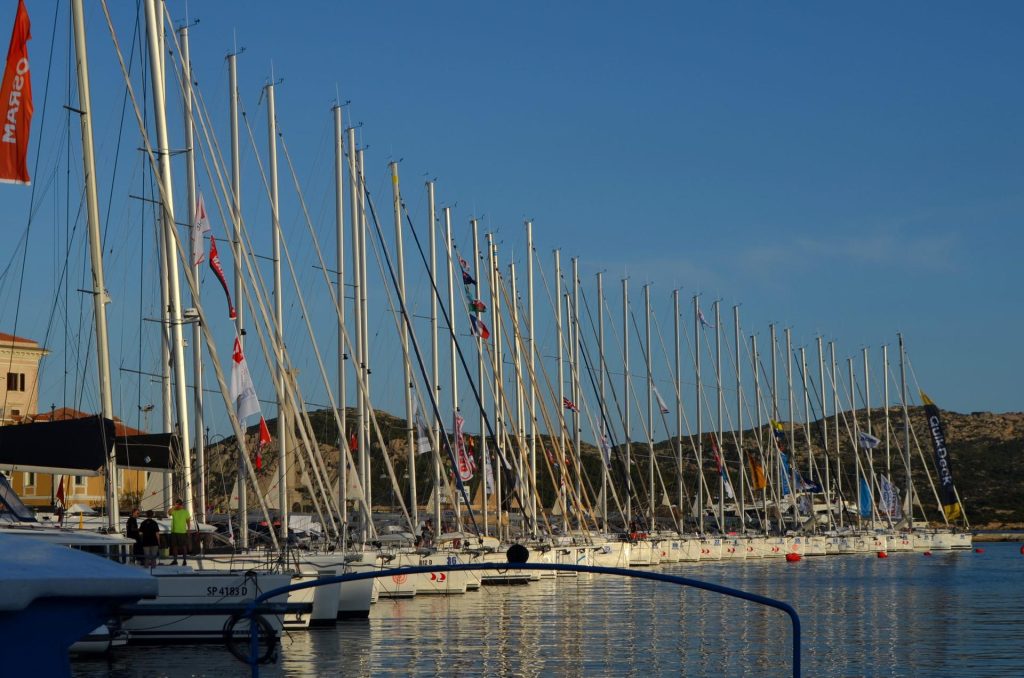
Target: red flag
215, 265
16, 102
60, 502
353, 443
263, 442
478, 329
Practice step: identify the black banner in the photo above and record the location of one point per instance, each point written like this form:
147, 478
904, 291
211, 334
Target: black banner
943, 465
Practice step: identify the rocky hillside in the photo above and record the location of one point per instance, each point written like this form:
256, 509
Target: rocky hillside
986, 452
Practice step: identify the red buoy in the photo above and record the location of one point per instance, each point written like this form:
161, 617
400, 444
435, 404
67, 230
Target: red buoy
792, 557
1022, 550
979, 550
927, 553
883, 554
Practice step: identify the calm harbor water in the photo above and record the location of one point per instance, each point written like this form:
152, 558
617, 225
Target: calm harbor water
951, 614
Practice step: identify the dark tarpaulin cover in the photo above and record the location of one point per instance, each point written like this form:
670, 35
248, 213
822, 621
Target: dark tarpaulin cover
65, 446
151, 451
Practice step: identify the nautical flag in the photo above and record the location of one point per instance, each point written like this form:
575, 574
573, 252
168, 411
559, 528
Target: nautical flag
703, 320
219, 271
471, 450
422, 440
243, 392
477, 305
784, 476
263, 441
661, 403
947, 492
780, 434
60, 503
757, 478
200, 227
488, 475
353, 442
569, 405
16, 98
478, 329
867, 441
465, 469
865, 498
467, 279
890, 502
604, 444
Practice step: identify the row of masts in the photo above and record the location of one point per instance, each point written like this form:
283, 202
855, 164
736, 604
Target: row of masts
519, 409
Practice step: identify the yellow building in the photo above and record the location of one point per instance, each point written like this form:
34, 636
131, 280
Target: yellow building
19, 404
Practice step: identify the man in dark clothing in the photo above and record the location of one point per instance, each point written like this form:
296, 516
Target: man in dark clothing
150, 538
131, 531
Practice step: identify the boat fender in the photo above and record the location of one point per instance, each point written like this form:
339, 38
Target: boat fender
239, 647
517, 553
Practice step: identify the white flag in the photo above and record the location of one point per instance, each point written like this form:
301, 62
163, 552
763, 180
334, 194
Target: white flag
243, 392
867, 441
200, 227
422, 439
661, 403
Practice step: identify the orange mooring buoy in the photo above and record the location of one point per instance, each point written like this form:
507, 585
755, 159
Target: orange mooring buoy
927, 553
1022, 550
792, 557
883, 554
979, 550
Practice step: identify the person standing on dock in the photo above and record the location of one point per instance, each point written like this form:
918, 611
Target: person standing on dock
150, 535
131, 530
179, 532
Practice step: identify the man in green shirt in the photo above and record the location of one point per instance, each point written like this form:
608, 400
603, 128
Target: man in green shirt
179, 532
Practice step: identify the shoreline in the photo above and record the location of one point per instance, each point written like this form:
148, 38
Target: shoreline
998, 536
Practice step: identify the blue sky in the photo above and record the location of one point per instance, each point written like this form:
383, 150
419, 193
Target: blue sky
849, 171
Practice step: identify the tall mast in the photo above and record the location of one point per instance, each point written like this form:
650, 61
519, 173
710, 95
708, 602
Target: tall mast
517, 362
480, 359
777, 466
792, 427
603, 412
625, 398
236, 249
807, 423
197, 337
739, 419
700, 413
99, 293
357, 346
410, 437
283, 423
870, 451
906, 434
342, 357
754, 365
574, 353
561, 380
364, 341
496, 356
835, 427
856, 453
885, 402
824, 430
721, 427
679, 397
435, 367
650, 407
453, 351
154, 29
533, 386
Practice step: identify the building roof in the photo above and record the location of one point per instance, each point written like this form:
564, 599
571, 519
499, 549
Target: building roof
62, 413
12, 339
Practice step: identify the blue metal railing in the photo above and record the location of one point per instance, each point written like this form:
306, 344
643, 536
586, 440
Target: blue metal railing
254, 628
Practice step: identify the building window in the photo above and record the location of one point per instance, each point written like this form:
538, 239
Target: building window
15, 381
30, 479
79, 481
